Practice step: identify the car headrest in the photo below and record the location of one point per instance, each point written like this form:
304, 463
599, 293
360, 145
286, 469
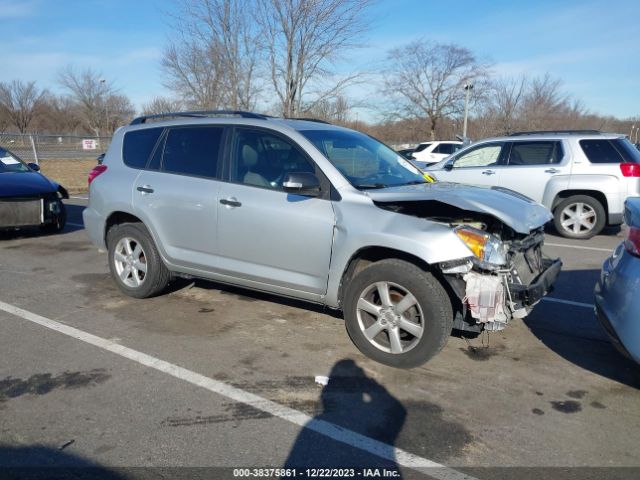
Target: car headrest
249, 156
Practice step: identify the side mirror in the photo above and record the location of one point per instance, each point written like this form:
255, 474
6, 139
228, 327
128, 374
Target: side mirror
301, 183
448, 166
34, 166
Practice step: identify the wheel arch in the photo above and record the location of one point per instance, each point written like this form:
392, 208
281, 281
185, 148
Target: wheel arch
373, 253
117, 218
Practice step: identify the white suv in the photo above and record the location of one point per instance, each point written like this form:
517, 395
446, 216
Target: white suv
433, 152
583, 177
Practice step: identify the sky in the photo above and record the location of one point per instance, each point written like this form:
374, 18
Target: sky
592, 46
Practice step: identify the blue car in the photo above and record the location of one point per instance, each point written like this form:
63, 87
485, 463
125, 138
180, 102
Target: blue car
616, 293
28, 198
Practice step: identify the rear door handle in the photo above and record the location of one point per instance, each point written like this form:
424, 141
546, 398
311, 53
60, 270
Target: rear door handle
231, 202
552, 170
145, 189
488, 172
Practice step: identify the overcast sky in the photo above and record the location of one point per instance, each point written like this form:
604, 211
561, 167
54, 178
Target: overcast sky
593, 46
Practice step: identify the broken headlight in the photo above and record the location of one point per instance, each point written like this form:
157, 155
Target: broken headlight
488, 249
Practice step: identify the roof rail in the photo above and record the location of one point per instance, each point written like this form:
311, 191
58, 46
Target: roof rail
198, 114
317, 120
556, 132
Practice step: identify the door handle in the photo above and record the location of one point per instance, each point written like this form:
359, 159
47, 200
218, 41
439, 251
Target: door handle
145, 189
488, 172
552, 170
230, 202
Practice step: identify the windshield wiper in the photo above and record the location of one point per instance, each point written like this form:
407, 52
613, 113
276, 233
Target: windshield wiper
371, 186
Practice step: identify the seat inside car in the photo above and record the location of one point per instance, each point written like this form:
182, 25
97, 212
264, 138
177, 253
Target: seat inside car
250, 160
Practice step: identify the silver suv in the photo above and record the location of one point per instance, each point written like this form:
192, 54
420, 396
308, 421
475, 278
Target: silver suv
313, 211
583, 177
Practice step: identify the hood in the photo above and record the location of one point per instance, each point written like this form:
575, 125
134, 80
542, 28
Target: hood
26, 184
517, 211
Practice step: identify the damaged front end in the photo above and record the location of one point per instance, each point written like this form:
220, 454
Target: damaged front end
506, 273
503, 280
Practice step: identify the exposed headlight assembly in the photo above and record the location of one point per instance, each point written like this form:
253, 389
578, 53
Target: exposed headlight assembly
488, 249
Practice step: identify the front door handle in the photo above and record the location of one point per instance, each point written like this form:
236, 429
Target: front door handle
145, 189
231, 202
488, 172
552, 170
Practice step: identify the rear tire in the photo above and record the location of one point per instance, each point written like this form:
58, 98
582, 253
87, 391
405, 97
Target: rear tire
580, 217
406, 326
134, 261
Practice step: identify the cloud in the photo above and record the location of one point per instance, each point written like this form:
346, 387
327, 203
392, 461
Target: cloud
14, 9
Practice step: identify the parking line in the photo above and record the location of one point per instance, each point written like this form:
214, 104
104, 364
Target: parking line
568, 302
609, 250
328, 429
78, 197
76, 224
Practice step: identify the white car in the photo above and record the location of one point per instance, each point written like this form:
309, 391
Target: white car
433, 152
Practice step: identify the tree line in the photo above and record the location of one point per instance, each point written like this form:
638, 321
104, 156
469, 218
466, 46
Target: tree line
281, 57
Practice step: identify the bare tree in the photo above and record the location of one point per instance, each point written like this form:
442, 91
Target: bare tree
304, 38
543, 102
428, 79
5, 119
214, 62
119, 111
91, 91
20, 101
336, 110
505, 102
161, 105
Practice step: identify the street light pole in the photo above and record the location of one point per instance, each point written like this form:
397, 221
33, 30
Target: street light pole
467, 88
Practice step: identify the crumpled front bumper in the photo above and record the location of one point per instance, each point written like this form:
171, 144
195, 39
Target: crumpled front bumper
529, 295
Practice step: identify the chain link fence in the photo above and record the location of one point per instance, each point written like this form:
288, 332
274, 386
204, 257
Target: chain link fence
34, 148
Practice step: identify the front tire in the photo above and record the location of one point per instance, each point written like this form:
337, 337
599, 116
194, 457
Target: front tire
397, 314
580, 217
59, 222
134, 261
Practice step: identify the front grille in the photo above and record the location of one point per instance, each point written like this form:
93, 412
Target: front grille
20, 212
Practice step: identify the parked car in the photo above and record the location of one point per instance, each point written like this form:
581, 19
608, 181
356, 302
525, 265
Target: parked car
320, 213
407, 152
616, 293
583, 177
28, 198
428, 153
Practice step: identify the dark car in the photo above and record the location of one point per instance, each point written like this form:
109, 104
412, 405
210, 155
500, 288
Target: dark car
28, 198
617, 300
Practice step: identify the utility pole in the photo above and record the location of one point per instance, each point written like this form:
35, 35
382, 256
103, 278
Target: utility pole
467, 88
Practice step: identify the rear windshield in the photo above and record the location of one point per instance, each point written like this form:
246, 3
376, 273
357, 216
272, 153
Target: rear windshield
138, 146
618, 150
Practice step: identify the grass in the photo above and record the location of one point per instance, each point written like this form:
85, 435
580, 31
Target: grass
71, 174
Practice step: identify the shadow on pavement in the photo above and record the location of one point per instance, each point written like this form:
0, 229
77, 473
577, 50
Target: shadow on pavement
574, 333
36, 462
355, 402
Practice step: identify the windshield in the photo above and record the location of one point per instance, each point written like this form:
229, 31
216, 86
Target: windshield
364, 161
10, 163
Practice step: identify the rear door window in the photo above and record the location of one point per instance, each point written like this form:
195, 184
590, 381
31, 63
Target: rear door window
601, 151
422, 147
444, 148
138, 146
193, 151
535, 153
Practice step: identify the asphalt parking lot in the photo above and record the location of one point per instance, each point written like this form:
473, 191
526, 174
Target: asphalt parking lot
214, 376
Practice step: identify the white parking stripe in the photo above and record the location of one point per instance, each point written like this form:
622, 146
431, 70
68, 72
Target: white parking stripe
568, 302
78, 197
75, 224
335, 432
578, 247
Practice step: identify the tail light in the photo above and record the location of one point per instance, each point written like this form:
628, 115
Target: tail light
632, 241
630, 169
96, 171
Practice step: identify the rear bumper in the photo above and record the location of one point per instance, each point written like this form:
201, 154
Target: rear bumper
529, 295
94, 226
